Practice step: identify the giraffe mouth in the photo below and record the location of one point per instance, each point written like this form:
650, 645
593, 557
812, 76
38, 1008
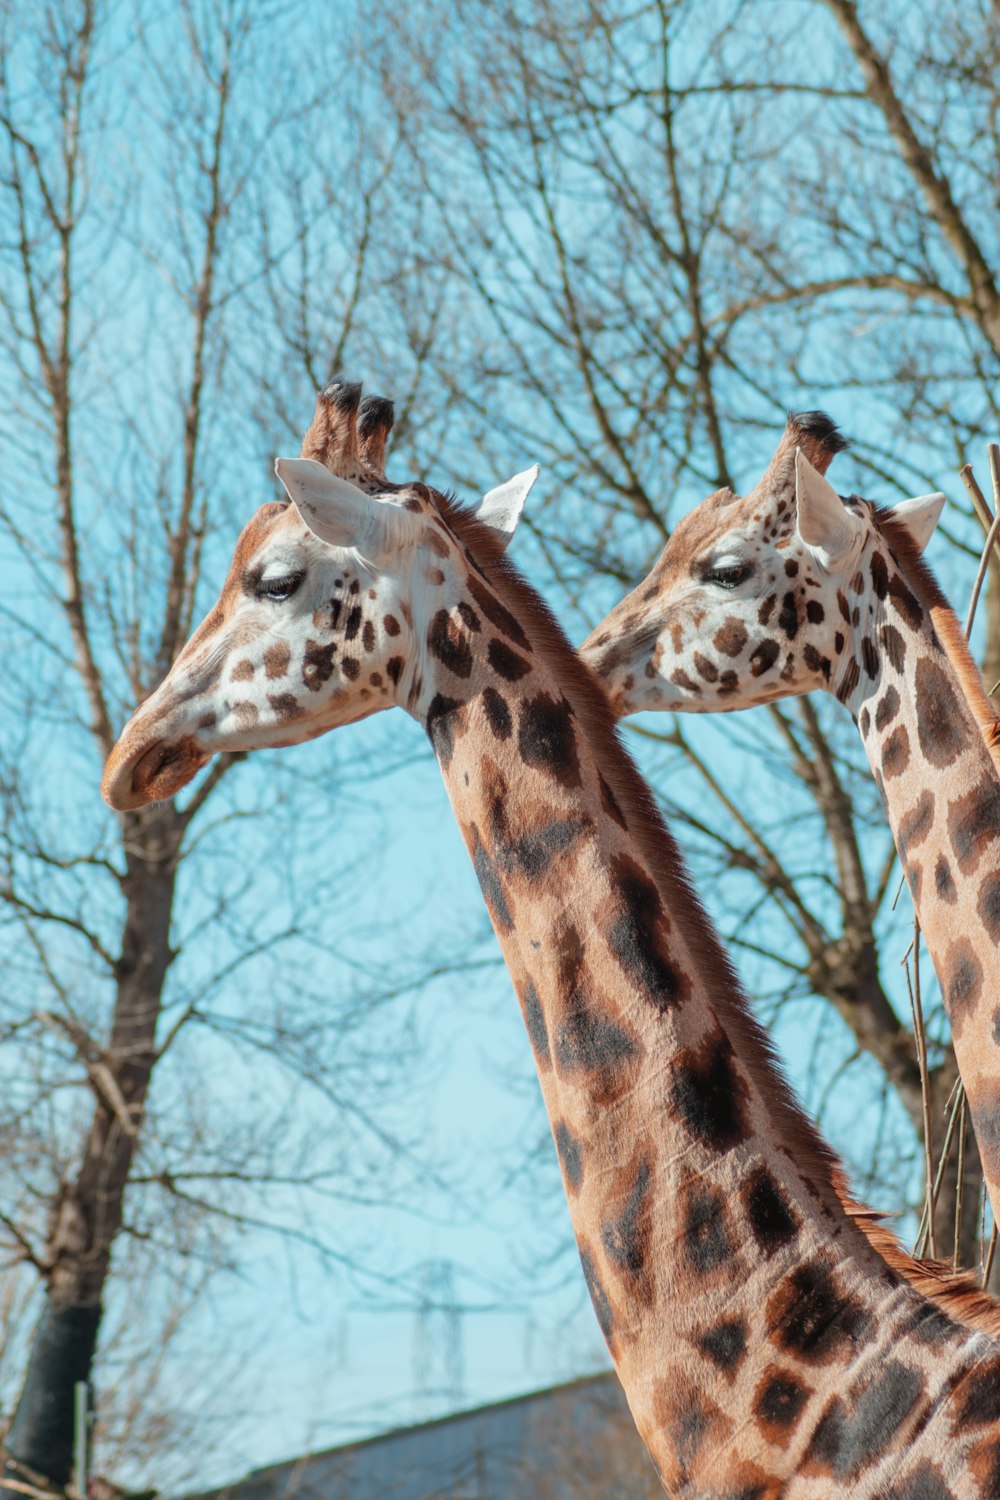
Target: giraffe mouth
155, 774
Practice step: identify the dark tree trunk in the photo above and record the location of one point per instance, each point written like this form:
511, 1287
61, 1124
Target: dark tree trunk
87, 1214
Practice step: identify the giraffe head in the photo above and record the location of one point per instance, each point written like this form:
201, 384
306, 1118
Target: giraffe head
760, 596
328, 611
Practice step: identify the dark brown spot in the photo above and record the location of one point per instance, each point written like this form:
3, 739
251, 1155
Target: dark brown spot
915, 824
944, 882
469, 616
243, 670
446, 641
531, 1006
638, 936
838, 642
763, 657
598, 1296
810, 1316
436, 543
849, 681
909, 606
816, 661
497, 713
368, 636
709, 1093
391, 624
791, 567
317, 664
788, 617
843, 606
887, 708
770, 1216
353, 624
705, 1237
679, 678
590, 1042
974, 824
815, 613
894, 646
725, 1345
869, 657
626, 1232
988, 906
394, 669
276, 659
730, 638
896, 753
941, 726
505, 662
570, 1155
844, 1445
880, 575
443, 728
963, 981
284, 705
778, 1404
705, 668
547, 740
350, 668
766, 609
497, 613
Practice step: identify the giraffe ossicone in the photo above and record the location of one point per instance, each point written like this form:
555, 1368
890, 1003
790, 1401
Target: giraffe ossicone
794, 587
771, 1340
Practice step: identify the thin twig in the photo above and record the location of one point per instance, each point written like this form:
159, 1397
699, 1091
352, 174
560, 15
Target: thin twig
963, 1121
920, 1036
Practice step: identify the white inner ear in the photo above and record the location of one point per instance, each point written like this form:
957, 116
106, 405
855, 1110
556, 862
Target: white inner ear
920, 516
824, 523
500, 508
333, 509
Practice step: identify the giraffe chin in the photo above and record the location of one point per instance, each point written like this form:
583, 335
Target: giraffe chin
155, 775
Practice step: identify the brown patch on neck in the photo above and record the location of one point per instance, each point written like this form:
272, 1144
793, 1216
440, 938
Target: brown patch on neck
927, 589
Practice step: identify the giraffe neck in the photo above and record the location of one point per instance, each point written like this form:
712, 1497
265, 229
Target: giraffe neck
927, 729
746, 1311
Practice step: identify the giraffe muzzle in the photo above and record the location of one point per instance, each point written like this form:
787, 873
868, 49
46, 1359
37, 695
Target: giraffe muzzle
152, 774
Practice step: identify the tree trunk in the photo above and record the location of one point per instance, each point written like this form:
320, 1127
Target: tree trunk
87, 1213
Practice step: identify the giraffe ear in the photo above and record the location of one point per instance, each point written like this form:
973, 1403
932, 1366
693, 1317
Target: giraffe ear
501, 508
919, 516
824, 523
335, 510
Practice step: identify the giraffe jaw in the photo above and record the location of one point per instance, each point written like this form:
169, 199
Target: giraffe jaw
151, 772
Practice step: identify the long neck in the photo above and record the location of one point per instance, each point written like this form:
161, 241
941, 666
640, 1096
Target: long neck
743, 1307
927, 726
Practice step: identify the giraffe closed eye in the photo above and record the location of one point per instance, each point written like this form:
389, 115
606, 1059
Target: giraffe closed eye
728, 575
280, 588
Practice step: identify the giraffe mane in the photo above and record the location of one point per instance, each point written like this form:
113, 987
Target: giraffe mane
955, 1294
945, 621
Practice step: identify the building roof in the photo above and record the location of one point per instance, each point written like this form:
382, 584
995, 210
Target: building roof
569, 1442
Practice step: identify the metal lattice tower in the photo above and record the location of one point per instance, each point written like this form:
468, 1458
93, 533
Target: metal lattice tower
438, 1358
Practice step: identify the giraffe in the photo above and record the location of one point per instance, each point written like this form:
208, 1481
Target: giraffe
771, 1338
791, 588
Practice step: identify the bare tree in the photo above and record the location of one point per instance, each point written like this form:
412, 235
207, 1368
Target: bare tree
153, 255
670, 223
